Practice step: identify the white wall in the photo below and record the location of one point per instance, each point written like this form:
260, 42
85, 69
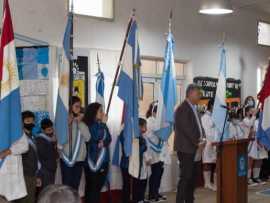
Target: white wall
197, 36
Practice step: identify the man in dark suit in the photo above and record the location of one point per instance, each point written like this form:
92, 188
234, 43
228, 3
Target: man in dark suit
188, 142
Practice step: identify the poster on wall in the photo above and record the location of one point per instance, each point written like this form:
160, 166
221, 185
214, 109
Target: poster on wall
208, 87
80, 79
33, 65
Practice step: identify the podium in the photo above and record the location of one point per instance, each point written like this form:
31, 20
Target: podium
232, 169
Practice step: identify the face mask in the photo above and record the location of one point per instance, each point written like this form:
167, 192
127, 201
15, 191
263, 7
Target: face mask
75, 114
29, 126
50, 135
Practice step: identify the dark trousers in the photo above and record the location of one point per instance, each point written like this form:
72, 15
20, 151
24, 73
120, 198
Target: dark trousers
71, 176
126, 186
187, 181
47, 178
94, 183
157, 170
31, 183
138, 189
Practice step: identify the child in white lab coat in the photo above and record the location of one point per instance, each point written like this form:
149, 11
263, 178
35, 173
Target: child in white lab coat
256, 153
209, 153
140, 183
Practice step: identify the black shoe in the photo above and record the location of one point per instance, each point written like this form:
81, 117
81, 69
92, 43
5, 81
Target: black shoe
162, 197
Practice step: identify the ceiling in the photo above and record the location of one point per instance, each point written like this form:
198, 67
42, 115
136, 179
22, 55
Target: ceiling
261, 5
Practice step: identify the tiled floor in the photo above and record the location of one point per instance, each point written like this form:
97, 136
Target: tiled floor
205, 196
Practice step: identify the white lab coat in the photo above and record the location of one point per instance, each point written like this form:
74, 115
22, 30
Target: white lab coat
145, 168
236, 130
247, 124
156, 157
12, 185
209, 152
255, 150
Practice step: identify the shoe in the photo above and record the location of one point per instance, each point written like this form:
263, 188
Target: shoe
259, 181
210, 187
251, 183
162, 197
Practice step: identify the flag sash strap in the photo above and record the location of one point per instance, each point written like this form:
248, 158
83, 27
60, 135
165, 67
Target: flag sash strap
156, 147
71, 162
94, 167
45, 137
34, 146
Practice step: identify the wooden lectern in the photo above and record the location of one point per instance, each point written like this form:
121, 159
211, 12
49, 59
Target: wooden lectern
232, 169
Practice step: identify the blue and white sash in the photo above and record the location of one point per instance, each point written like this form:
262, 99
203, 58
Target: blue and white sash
156, 147
94, 167
45, 137
71, 162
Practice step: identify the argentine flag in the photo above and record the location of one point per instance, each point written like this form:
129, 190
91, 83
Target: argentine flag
167, 93
263, 132
219, 112
62, 106
100, 87
10, 103
130, 89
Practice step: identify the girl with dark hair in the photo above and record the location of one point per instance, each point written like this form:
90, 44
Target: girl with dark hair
73, 153
158, 151
209, 153
152, 110
98, 156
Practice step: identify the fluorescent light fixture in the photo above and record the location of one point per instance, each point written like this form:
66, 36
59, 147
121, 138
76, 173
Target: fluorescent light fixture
215, 7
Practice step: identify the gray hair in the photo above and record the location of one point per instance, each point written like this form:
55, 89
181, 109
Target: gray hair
191, 87
3, 200
58, 194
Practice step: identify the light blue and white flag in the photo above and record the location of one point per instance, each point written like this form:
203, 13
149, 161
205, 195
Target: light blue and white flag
62, 106
167, 93
67, 35
10, 101
219, 112
100, 87
129, 89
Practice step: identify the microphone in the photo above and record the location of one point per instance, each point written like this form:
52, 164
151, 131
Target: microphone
225, 107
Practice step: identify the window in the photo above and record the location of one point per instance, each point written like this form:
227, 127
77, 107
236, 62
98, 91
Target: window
152, 72
264, 33
94, 8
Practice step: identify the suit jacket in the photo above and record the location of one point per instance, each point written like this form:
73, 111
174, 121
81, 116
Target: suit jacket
187, 131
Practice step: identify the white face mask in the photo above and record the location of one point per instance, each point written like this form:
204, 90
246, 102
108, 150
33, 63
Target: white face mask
235, 121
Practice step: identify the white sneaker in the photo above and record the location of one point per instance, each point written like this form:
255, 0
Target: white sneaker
251, 183
211, 187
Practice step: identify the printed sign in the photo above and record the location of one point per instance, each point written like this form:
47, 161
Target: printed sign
242, 166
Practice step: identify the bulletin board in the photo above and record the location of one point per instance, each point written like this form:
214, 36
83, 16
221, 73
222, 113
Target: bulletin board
208, 87
33, 68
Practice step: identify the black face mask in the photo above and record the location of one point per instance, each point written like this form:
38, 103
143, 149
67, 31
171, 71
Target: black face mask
50, 135
29, 126
75, 114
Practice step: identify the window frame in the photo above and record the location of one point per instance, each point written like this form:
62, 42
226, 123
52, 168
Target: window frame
160, 59
95, 17
258, 22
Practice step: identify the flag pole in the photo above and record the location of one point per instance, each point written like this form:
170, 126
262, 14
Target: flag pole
98, 63
71, 63
170, 21
120, 61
